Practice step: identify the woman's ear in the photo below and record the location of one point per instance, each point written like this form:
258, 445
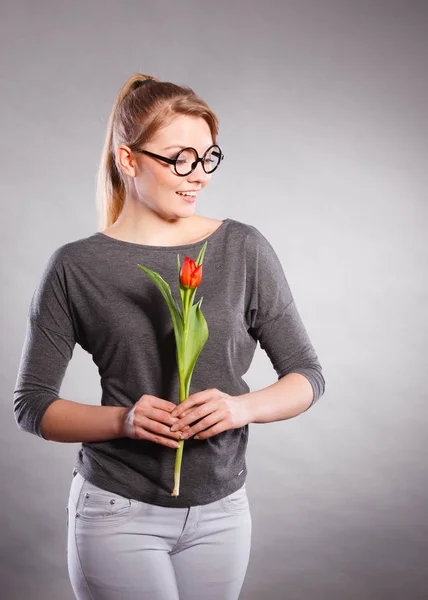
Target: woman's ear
126, 160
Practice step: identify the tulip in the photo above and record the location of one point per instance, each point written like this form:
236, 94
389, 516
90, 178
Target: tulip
190, 274
190, 328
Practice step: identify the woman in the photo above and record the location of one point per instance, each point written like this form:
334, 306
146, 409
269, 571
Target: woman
128, 537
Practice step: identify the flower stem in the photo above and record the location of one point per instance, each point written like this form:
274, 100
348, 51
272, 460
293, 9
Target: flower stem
183, 395
177, 468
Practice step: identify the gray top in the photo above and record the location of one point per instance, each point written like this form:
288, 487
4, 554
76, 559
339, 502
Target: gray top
92, 292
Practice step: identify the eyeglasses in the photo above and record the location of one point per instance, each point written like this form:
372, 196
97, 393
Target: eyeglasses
187, 159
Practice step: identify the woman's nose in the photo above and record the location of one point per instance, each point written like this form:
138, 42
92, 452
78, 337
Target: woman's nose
198, 174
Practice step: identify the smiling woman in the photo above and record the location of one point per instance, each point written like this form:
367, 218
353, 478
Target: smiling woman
126, 537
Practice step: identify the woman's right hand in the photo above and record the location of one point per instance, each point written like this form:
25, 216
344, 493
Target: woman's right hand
150, 419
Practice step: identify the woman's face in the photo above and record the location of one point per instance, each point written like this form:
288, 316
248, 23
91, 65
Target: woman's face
155, 184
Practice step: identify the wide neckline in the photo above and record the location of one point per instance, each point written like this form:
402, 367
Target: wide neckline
210, 237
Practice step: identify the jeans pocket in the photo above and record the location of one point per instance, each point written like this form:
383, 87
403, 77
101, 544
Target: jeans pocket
96, 506
236, 502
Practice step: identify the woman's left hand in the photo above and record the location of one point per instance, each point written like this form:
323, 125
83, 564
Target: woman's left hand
217, 410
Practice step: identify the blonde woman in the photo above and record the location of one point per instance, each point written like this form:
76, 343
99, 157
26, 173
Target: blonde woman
128, 537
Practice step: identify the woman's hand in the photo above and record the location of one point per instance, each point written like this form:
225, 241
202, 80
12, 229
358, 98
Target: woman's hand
150, 419
217, 410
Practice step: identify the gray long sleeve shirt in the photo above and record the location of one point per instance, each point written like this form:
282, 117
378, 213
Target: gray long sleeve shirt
93, 293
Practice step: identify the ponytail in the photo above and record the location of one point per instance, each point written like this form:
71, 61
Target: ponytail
110, 183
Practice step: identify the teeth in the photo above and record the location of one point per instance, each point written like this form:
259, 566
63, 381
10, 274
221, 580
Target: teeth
187, 193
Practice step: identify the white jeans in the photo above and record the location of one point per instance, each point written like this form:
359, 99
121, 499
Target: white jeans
124, 549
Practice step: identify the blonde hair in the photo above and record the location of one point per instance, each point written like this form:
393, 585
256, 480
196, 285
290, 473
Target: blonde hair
138, 113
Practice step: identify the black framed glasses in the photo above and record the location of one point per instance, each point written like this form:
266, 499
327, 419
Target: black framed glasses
187, 159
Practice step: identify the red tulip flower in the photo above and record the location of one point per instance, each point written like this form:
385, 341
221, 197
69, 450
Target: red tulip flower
190, 274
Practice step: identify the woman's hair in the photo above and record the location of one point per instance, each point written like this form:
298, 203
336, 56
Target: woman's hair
138, 113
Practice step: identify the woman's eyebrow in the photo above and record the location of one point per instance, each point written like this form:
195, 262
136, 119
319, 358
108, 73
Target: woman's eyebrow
180, 146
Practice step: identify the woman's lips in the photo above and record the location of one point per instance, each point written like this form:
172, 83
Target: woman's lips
186, 198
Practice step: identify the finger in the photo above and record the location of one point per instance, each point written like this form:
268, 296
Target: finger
183, 407
160, 403
204, 424
155, 427
215, 430
157, 414
192, 400
162, 416
175, 421
157, 439
194, 415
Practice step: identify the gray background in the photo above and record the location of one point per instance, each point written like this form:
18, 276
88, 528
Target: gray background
323, 121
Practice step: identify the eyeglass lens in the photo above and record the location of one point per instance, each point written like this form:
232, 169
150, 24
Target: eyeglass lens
187, 157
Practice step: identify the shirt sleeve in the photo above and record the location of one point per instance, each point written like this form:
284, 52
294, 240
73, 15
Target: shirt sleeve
48, 347
274, 319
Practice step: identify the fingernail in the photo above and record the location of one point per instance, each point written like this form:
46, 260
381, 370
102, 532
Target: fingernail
184, 436
174, 427
196, 437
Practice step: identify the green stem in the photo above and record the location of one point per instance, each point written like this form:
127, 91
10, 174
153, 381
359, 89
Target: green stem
183, 393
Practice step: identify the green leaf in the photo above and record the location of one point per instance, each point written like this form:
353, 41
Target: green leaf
201, 255
181, 287
177, 318
195, 336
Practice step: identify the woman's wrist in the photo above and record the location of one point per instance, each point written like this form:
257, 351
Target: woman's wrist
120, 417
